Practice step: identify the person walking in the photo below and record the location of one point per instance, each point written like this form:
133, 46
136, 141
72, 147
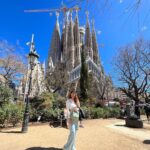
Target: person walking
72, 106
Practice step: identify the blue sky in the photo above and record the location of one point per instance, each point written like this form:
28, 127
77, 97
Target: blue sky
116, 24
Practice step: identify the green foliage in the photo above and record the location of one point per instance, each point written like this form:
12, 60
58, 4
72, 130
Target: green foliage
96, 113
83, 78
116, 99
45, 100
92, 86
6, 95
46, 105
10, 114
50, 114
59, 101
16, 114
2, 117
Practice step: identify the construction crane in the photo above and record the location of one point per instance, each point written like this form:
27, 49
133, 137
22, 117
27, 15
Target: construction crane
63, 9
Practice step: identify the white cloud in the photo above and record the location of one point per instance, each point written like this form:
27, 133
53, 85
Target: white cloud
120, 1
144, 28
99, 32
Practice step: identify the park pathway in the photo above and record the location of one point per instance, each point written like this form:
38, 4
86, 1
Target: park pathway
98, 134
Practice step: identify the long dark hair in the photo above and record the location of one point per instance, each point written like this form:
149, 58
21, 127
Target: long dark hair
75, 98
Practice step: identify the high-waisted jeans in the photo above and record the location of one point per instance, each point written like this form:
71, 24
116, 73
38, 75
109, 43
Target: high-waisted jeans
70, 145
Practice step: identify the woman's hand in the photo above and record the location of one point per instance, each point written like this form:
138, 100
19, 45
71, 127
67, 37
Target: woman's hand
75, 109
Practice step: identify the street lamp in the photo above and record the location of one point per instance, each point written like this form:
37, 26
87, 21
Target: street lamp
32, 56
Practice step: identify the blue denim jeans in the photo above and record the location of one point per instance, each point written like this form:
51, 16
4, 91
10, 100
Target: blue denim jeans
70, 145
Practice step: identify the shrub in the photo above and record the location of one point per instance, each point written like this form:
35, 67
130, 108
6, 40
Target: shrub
33, 114
10, 114
46, 105
6, 95
86, 112
2, 117
50, 114
16, 114
59, 101
105, 112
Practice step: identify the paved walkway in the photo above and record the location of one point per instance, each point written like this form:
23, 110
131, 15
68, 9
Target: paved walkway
97, 135
140, 134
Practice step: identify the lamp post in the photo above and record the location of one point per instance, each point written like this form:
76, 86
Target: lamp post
32, 56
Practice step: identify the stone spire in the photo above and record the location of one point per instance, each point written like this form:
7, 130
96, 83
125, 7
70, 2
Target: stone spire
55, 50
77, 54
94, 45
88, 40
65, 38
70, 49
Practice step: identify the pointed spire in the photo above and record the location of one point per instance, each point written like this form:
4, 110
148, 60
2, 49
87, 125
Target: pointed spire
57, 22
71, 35
70, 15
65, 37
77, 40
77, 14
57, 16
87, 19
93, 25
70, 46
88, 39
55, 50
94, 45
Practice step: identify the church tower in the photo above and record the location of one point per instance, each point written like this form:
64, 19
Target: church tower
55, 47
64, 39
77, 53
88, 40
94, 45
70, 45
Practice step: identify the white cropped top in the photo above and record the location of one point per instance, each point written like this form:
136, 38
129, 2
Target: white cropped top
70, 104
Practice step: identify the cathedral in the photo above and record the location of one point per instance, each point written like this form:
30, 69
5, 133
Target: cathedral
67, 43
66, 47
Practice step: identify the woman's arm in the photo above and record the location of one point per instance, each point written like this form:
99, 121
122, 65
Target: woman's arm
78, 102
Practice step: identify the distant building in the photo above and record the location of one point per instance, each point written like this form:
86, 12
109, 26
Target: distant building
119, 94
37, 84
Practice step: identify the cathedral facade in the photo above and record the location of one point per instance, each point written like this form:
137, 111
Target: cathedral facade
65, 50
66, 47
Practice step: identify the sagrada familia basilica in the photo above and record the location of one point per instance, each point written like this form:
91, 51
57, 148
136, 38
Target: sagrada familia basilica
66, 48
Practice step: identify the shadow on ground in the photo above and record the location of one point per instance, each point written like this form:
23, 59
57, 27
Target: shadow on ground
120, 125
146, 141
10, 132
42, 148
57, 125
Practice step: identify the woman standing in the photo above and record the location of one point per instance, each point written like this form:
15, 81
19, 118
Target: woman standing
72, 106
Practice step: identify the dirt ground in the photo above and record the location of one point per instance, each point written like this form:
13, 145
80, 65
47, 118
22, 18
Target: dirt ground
96, 135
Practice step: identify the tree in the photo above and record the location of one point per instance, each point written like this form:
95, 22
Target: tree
57, 80
6, 95
84, 82
43, 101
12, 64
102, 87
133, 66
